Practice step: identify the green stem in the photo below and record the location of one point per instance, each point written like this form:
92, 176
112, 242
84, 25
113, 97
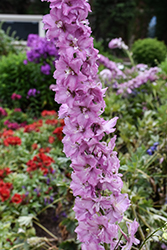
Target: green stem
130, 57
54, 202
150, 237
140, 229
46, 230
106, 246
16, 246
118, 242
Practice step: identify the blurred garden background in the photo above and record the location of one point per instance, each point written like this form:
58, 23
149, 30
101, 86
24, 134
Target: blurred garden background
35, 197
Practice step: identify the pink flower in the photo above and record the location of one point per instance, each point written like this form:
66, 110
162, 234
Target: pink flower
15, 96
3, 112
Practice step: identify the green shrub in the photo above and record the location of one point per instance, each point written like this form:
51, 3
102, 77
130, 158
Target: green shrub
149, 51
163, 66
7, 42
17, 77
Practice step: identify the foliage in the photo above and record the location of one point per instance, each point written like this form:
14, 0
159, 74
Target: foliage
7, 42
20, 78
23, 7
163, 66
118, 13
40, 190
149, 51
141, 125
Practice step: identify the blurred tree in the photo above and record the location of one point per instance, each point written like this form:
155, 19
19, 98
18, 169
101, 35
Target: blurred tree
127, 19
161, 14
113, 18
23, 7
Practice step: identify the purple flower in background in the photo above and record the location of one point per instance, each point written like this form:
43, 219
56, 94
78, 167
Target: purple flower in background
48, 181
117, 43
32, 92
41, 49
31, 39
25, 62
45, 69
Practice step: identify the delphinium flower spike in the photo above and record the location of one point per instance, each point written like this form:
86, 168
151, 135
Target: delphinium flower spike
96, 183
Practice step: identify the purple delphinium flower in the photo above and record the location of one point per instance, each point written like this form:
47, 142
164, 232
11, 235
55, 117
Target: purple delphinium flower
94, 162
112, 66
143, 77
117, 43
45, 69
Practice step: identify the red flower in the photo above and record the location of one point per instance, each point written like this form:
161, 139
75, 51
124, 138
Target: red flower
31, 166
8, 185
7, 171
51, 121
1, 173
62, 122
17, 198
45, 150
46, 160
34, 146
12, 140
48, 113
40, 161
4, 193
33, 127
51, 139
29, 128
7, 133
4, 172
45, 171
2, 184
58, 132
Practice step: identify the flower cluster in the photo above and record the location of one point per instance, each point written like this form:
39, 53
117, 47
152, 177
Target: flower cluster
5, 193
4, 172
48, 113
143, 77
117, 43
96, 183
6, 133
14, 125
112, 66
153, 148
32, 92
15, 96
40, 161
3, 112
12, 140
40, 50
33, 127
59, 132
5, 188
